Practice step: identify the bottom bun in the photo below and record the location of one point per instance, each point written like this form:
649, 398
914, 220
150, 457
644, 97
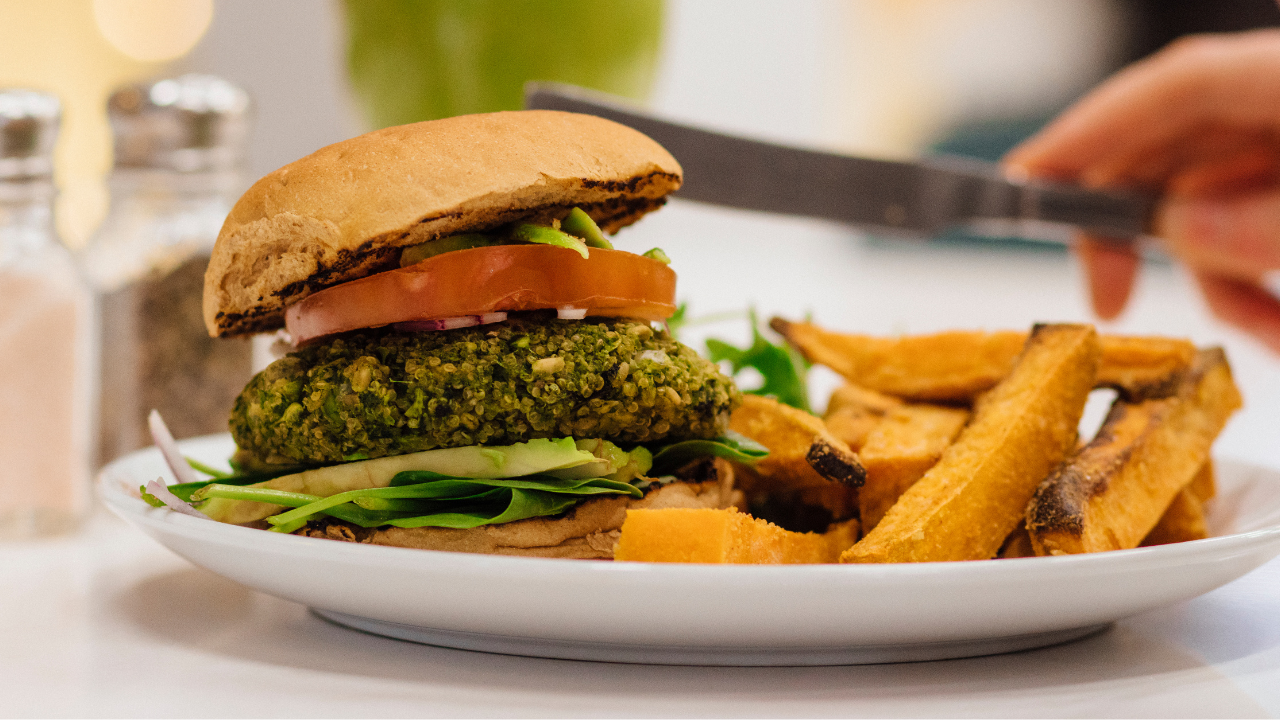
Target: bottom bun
588, 531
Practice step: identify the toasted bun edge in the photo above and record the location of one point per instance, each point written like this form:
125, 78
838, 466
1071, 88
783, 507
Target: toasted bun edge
346, 210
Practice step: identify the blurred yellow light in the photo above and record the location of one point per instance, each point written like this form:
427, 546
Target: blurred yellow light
153, 30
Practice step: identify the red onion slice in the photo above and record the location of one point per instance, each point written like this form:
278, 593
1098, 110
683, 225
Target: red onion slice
452, 323
163, 439
160, 491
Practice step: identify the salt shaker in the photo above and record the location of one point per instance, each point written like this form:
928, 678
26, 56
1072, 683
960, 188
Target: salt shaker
179, 146
46, 372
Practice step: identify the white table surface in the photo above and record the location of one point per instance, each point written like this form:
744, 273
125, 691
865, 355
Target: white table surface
107, 623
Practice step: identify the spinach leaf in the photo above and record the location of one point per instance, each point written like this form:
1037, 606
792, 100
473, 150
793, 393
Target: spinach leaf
730, 446
522, 504
434, 500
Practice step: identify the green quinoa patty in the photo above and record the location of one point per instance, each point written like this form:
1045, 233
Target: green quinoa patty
377, 393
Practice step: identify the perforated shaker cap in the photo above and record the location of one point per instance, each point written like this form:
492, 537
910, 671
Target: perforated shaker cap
28, 131
190, 123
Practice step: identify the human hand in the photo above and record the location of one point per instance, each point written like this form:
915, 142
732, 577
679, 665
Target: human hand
1199, 122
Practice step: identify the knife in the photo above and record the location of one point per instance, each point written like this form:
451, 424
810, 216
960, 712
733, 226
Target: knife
922, 198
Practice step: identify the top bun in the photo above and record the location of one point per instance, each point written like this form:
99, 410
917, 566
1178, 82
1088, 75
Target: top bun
346, 210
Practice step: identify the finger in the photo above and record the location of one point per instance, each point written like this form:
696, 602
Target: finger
1111, 268
1244, 305
1237, 237
1210, 79
1237, 170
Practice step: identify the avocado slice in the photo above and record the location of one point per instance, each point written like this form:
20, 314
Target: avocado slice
417, 253
475, 461
579, 224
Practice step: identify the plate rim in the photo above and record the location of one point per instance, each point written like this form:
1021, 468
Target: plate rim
1042, 596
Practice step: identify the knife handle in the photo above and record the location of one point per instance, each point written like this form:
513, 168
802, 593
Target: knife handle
979, 191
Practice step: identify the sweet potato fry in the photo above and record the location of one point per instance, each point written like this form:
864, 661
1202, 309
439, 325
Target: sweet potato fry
724, 536
1113, 491
966, 505
852, 396
1183, 520
802, 453
958, 366
1205, 484
1018, 544
900, 450
853, 412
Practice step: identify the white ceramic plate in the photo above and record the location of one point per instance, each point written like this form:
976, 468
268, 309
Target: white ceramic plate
713, 614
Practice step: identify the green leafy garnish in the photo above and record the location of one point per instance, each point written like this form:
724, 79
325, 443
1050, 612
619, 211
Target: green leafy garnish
209, 470
184, 491
783, 369
730, 446
528, 232
419, 498
521, 505
678, 320
579, 224
659, 255
252, 494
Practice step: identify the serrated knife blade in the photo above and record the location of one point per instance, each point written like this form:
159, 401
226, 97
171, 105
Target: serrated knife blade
923, 197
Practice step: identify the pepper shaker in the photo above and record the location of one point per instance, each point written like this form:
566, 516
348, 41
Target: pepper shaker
179, 148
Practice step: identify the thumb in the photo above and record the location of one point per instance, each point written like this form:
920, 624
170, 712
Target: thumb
1235, 237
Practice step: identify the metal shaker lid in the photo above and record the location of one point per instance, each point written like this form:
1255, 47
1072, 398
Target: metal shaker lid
28, 131
190, 123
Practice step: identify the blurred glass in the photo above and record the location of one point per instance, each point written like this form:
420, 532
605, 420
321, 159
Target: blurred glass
414, 60
45, 334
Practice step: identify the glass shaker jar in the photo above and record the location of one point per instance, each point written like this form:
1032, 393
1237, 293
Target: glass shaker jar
179, 146
46, 317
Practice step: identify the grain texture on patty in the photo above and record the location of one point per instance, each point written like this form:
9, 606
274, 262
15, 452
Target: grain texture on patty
377, 393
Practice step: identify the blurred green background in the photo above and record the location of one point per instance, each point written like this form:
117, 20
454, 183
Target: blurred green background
414, 60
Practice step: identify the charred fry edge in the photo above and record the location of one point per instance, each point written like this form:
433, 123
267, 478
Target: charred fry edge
965, 506
1078, 507
835, 463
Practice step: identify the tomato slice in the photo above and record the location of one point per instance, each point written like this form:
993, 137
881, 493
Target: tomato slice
504, 278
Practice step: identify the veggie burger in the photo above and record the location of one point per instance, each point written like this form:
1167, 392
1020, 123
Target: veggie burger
476, 367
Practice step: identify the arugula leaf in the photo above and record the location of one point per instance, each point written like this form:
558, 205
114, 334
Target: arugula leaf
730, 446
678, 320
783, 369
